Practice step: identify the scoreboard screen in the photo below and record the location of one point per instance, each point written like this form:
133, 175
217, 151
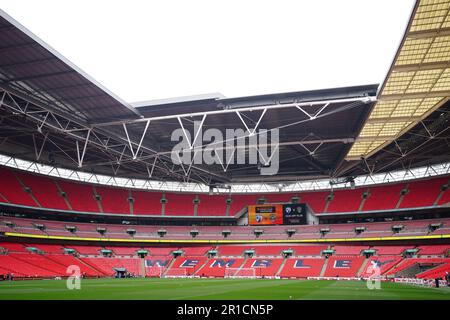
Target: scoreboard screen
294, 213
265, 214
277, 214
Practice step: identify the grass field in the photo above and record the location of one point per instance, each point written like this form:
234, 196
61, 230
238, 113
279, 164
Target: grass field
213, 289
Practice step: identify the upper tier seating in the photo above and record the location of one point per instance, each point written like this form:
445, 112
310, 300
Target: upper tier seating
316, 200
346, 201
114, 200
44, 190
423, 193
146, 202
179, 204
189, 264
81, 197
12, 191
383, 198
212, 205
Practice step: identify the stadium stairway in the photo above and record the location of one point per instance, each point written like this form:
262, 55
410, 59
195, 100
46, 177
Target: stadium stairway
172, 262
142, 268
202, 265
363, 266
281, 267
241, 266
90, 266
324, 268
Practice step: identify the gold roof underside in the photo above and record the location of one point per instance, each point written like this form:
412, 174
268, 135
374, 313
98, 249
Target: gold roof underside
417, 84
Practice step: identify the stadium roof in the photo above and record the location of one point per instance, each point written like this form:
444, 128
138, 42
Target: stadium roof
54, 113
418, 81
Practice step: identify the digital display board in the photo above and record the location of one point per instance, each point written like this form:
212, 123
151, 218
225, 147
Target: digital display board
265, 214
294, 213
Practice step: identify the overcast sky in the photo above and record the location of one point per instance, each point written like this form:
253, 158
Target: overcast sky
144, 50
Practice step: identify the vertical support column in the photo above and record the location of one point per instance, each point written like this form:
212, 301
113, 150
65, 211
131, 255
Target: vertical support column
163, 204
196, 202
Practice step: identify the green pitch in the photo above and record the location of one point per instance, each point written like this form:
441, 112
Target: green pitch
212, 289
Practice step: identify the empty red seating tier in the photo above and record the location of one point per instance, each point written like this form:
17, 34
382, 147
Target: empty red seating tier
216, 267
240, 201
445, 197
349, 250
434, 249
232, 250
12, 190
346, 200
69, 260
302, 267
179, 204
384, 263
409, 262
383, 197
107, 265
13, 247
123, 251
316, 200
212, 205
309, 250
81, 196
264, 267
20, 268
86, 250
114, 200
146, 202
47, 248
44, 190
161, 251
343, 266
437, 272
423, 193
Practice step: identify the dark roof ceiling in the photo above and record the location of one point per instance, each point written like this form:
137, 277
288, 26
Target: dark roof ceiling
30, 66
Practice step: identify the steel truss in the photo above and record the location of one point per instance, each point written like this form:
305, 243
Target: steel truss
310, 185
112, 145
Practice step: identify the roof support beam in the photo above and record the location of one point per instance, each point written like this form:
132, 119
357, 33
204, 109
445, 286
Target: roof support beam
244, 109
415, 95
420, 66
